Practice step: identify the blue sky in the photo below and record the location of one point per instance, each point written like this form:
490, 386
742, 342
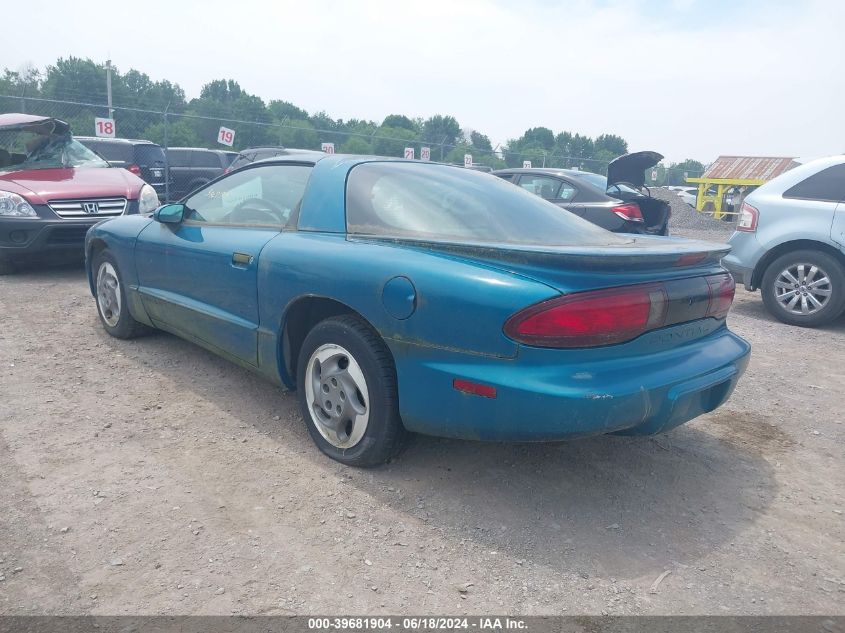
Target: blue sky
689, 78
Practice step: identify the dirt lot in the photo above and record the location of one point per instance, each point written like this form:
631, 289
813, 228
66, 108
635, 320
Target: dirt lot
151, 477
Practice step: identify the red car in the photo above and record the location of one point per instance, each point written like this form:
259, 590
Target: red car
53, 189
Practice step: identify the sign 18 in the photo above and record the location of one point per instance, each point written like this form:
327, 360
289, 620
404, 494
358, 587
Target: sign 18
104, 127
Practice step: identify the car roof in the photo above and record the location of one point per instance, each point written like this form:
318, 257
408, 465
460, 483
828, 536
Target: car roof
131, 141
797, 174
204, 149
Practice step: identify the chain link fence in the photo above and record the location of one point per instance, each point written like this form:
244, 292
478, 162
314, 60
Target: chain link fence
182, 129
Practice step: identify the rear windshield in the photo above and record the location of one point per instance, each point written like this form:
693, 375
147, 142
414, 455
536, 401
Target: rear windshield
594, 179
442, 203
146, 154
22, 149
120, 153
827, 185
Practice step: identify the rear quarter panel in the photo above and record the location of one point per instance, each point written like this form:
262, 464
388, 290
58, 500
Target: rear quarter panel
458, 305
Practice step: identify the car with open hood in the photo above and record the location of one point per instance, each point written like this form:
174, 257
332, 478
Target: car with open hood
399, 295
619, 202
53, 189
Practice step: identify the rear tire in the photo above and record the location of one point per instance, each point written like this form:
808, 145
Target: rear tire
804, 288
346, 383
110, 295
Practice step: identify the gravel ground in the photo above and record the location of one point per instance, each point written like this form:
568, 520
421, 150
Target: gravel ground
150, 477
688, 222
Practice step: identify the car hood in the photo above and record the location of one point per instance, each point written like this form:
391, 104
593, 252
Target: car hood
15, 120
40, 185
631, 168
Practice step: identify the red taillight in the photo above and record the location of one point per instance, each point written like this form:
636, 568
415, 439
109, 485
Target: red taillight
617, 315
134, 169
587, 319
748, 217
474, 388
722, 290
628, 212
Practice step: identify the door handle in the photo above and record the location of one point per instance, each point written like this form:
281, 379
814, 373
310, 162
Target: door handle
241, 259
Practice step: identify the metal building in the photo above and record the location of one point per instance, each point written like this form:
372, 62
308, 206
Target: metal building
737, 175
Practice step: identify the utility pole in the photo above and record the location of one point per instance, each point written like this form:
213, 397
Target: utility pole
108, 87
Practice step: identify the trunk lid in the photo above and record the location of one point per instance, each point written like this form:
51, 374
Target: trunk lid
631, 168
568, 269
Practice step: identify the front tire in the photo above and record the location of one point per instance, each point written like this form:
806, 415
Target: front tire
6, 267
112, 306
346, 383
804, 288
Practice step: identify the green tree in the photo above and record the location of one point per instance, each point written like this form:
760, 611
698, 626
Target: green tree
675, 172
441, 129
300, 134
400, 121
356, 145
75, 79
480, 141
392, 141
611, 143
223, 91
283, 109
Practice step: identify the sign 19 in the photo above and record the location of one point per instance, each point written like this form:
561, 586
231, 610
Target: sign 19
226, 136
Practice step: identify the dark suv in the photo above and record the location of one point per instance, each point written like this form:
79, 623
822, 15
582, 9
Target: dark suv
143, 158
192, 167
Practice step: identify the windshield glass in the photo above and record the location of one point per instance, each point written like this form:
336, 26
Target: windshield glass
38, 148
438, 202
594, 179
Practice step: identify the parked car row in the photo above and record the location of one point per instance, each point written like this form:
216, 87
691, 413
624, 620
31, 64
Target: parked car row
576, 328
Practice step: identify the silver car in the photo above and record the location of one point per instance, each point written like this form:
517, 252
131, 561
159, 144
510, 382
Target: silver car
790, 243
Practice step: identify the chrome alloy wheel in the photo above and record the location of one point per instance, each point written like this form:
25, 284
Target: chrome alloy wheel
336, 392
803, 289
108, 294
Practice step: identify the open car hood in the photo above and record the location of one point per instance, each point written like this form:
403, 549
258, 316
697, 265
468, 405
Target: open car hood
631, 168
14, 120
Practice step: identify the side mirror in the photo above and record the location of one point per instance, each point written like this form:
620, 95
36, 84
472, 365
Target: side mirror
169, 213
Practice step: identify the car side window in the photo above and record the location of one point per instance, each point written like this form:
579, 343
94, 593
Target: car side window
179, 157
206, 159
261, 196
827, 185
566, 192
543, 186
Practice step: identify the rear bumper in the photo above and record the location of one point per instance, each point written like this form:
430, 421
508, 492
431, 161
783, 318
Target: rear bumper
741, 274
546, 395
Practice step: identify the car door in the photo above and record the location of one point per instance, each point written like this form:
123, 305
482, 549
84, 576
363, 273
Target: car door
199, 278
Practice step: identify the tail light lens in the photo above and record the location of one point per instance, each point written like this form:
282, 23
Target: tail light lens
722, 291
748, 217
614, 315
629, 212
135, 169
